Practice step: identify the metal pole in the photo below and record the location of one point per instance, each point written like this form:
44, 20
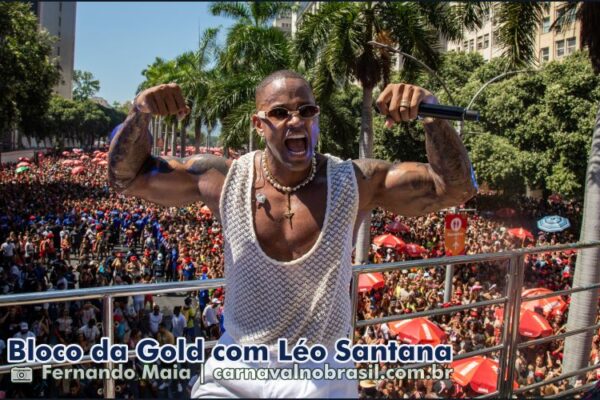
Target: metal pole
107, 327
514, 321
448, 283
354, 299
506, 333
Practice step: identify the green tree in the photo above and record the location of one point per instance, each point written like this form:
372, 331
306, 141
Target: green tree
332, 45
27, 71
253, 49
84, 85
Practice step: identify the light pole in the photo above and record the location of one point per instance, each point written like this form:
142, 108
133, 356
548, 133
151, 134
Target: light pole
460, 124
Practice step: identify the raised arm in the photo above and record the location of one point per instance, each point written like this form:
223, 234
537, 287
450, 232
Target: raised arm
411, 188
168, 181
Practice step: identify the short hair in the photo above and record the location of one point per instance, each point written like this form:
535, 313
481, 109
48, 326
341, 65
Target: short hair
281, 74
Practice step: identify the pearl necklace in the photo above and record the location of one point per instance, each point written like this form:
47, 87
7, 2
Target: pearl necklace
287, 189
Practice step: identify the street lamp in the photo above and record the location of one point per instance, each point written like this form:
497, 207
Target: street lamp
460, 124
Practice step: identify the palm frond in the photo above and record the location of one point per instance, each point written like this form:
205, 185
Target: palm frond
235, 9
517, 32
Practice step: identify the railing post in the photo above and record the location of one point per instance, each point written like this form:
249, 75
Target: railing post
108, 331
512, 318
354, 300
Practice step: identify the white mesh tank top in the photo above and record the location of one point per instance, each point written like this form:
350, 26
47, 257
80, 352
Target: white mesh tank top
304, 298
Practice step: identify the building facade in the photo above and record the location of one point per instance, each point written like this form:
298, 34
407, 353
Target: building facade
550, 44
58, 18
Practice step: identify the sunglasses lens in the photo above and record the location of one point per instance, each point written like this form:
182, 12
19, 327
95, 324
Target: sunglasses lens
278, 113
308, 111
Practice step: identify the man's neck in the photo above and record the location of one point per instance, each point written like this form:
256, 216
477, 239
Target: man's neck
283, 175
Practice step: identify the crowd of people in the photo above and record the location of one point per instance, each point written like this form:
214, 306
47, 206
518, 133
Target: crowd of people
62, 230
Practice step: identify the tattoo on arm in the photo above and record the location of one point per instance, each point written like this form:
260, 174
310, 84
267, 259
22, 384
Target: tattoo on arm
195, 165
446, 154
129, 150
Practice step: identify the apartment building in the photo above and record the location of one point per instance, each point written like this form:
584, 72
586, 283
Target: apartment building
551, 44
58, 18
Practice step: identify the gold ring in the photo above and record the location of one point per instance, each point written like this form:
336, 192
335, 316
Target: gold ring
404, 103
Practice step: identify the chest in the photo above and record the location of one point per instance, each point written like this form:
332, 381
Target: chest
288, 227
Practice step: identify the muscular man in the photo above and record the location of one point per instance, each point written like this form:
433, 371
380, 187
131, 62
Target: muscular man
289, 214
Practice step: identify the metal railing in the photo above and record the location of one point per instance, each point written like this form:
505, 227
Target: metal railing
511, 301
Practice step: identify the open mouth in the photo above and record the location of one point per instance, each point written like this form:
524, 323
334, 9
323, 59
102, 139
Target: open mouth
296, 145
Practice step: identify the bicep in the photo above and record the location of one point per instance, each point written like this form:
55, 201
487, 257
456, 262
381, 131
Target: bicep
171, 181
407, 188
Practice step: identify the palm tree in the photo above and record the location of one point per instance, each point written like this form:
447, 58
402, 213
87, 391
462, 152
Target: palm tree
160, 71
253, 50
583, 309
332, 45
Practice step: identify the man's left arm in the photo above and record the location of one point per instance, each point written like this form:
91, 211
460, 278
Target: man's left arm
412, 188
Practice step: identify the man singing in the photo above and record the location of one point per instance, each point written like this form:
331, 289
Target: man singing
289, 215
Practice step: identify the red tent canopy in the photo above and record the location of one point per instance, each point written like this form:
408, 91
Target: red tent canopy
369, 281
414, 250
521, 233
397, 226
550, 305
480, 373
389, 240
417, 331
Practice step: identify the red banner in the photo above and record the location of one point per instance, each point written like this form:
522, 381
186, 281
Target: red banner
455, 234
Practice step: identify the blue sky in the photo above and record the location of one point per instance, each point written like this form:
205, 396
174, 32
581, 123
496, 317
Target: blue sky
115, 41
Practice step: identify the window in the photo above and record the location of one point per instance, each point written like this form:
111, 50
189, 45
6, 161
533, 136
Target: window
465, 45
571, 45
58, 51
59, 21
495, 38
567, 17
60, 6
560, 48
471, 44
479, 42
545, 54
486, 40
546, 25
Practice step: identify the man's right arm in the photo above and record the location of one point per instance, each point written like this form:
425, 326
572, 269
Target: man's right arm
167, 181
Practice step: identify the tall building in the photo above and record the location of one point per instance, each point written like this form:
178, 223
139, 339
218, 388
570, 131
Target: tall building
284, 22
550, 44
58, 18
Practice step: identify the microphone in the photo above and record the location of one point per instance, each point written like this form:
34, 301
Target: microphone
445, 112
448, 112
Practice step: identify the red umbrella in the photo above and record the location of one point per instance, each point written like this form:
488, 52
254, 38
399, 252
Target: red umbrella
481, 373
102, 162
414, 250
369, 281
396, 226
531, 324
84, 157
388, 240
506, 212
521, 233
67, 162
550, 305
417, 331
23, 164
77, 170
77, 162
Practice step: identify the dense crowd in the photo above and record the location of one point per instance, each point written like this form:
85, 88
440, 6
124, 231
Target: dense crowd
62, 230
